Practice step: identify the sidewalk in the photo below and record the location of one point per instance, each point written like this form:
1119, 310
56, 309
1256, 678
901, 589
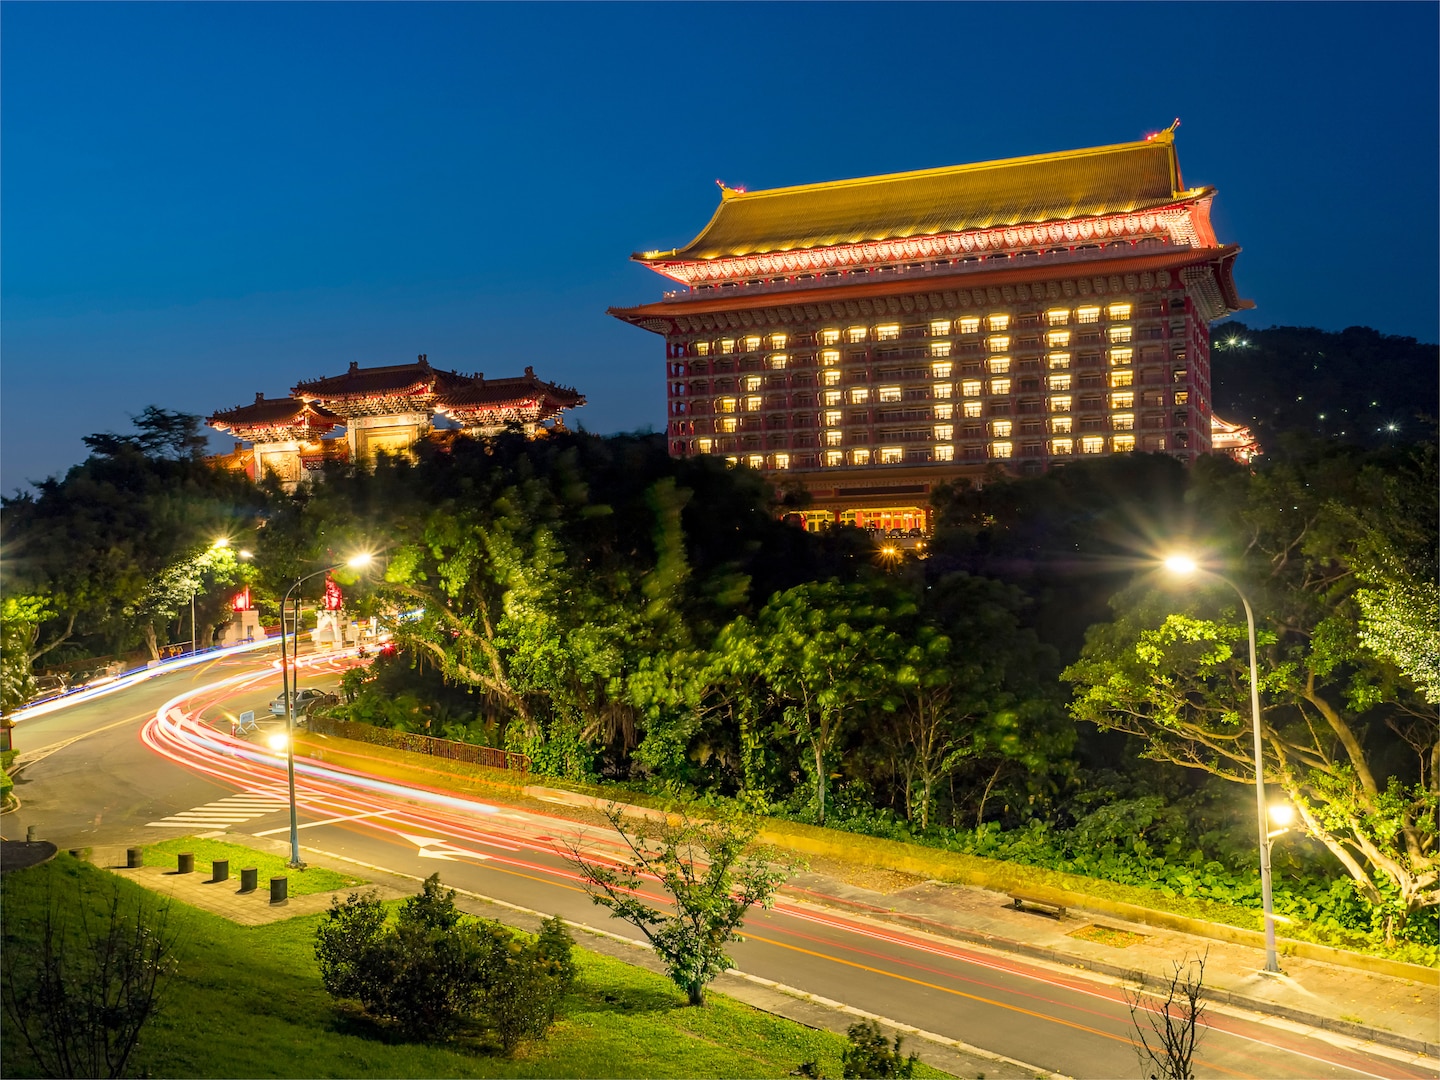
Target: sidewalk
1390, 1011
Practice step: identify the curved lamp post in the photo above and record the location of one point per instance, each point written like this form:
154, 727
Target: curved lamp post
1185, 566
354, 563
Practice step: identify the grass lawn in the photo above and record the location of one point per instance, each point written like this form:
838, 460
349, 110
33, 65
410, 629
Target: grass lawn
247, 1001
313, 879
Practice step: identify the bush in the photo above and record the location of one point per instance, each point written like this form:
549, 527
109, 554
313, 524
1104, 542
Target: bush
871, 1056
434, 970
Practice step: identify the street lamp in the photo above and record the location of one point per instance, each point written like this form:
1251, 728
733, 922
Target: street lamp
1186, 566
355, 562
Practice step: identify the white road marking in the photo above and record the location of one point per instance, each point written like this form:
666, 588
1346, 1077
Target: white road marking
231, 810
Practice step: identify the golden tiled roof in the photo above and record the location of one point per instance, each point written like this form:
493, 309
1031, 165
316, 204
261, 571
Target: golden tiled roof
1121, 179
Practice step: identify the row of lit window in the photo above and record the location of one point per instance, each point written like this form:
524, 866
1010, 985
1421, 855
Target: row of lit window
938, 328
895, 455
971, 388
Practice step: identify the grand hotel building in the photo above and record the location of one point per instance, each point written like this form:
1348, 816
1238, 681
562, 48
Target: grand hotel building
874, 338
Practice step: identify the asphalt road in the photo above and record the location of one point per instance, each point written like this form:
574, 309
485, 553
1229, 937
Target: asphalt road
135, 776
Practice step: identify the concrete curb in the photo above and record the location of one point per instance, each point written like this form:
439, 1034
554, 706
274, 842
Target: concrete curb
1055, 956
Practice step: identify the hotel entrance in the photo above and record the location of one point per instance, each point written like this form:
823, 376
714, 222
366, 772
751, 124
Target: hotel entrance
886, 518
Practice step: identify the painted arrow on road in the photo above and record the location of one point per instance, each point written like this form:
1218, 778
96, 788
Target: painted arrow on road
428, 846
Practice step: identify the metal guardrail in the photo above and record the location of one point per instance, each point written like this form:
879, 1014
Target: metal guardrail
420, 744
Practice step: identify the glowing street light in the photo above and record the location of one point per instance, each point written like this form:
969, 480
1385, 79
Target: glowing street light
1185, 566
355, 562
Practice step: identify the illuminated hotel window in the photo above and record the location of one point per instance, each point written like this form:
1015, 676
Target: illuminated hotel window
732, 460
860, 457
940, 348
834, 457
939, 327
1059, 361
830, 337
1121, 378
756, 461
831, 397
890, 393
1061, 425
778, 361
943, 412
1119, 311
1122, 399
891, 455
751, 344
725, 404
970, 325
1122, 443
944, 432
1087, 314
859, 395
1182, 397
833, 438
1060, 381
943, 389
942, 369
1092, 444
832, 419
752, 382
702, 348
729, 424
944, 453
970, 388
1121, 333
998, 322
704, 445
999, 386
830, 356
888, 332
727, 345
1122, 422
777, 341
1057, 316
1062, 446
998, 365
855, 334
1060, 403
1057, 338
782, 461
999, 343
1122, 356
1000, 449
1000, 428
830, 378
973, 408
752, 404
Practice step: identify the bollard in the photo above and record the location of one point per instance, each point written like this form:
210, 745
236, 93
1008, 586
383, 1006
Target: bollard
249, 879
30, 834
279, 889
186, 863
134, 857
220, 870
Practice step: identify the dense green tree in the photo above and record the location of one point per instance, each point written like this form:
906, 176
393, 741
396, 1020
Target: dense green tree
820, 652
94, 542
1348, 736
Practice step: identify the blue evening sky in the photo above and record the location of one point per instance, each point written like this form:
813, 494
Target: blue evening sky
205, 200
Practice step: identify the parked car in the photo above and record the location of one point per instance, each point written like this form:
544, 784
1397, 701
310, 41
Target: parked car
305, 700
49, 686
916, 533
895, 533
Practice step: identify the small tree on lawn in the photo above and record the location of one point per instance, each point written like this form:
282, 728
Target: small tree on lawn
81, 998
703, 866
1169, 1028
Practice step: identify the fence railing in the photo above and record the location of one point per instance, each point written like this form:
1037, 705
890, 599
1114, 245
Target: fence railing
420, 744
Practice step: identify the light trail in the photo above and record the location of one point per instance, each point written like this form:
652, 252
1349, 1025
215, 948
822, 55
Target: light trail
373, 805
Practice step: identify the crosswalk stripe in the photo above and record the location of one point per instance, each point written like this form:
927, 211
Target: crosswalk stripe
231, 810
